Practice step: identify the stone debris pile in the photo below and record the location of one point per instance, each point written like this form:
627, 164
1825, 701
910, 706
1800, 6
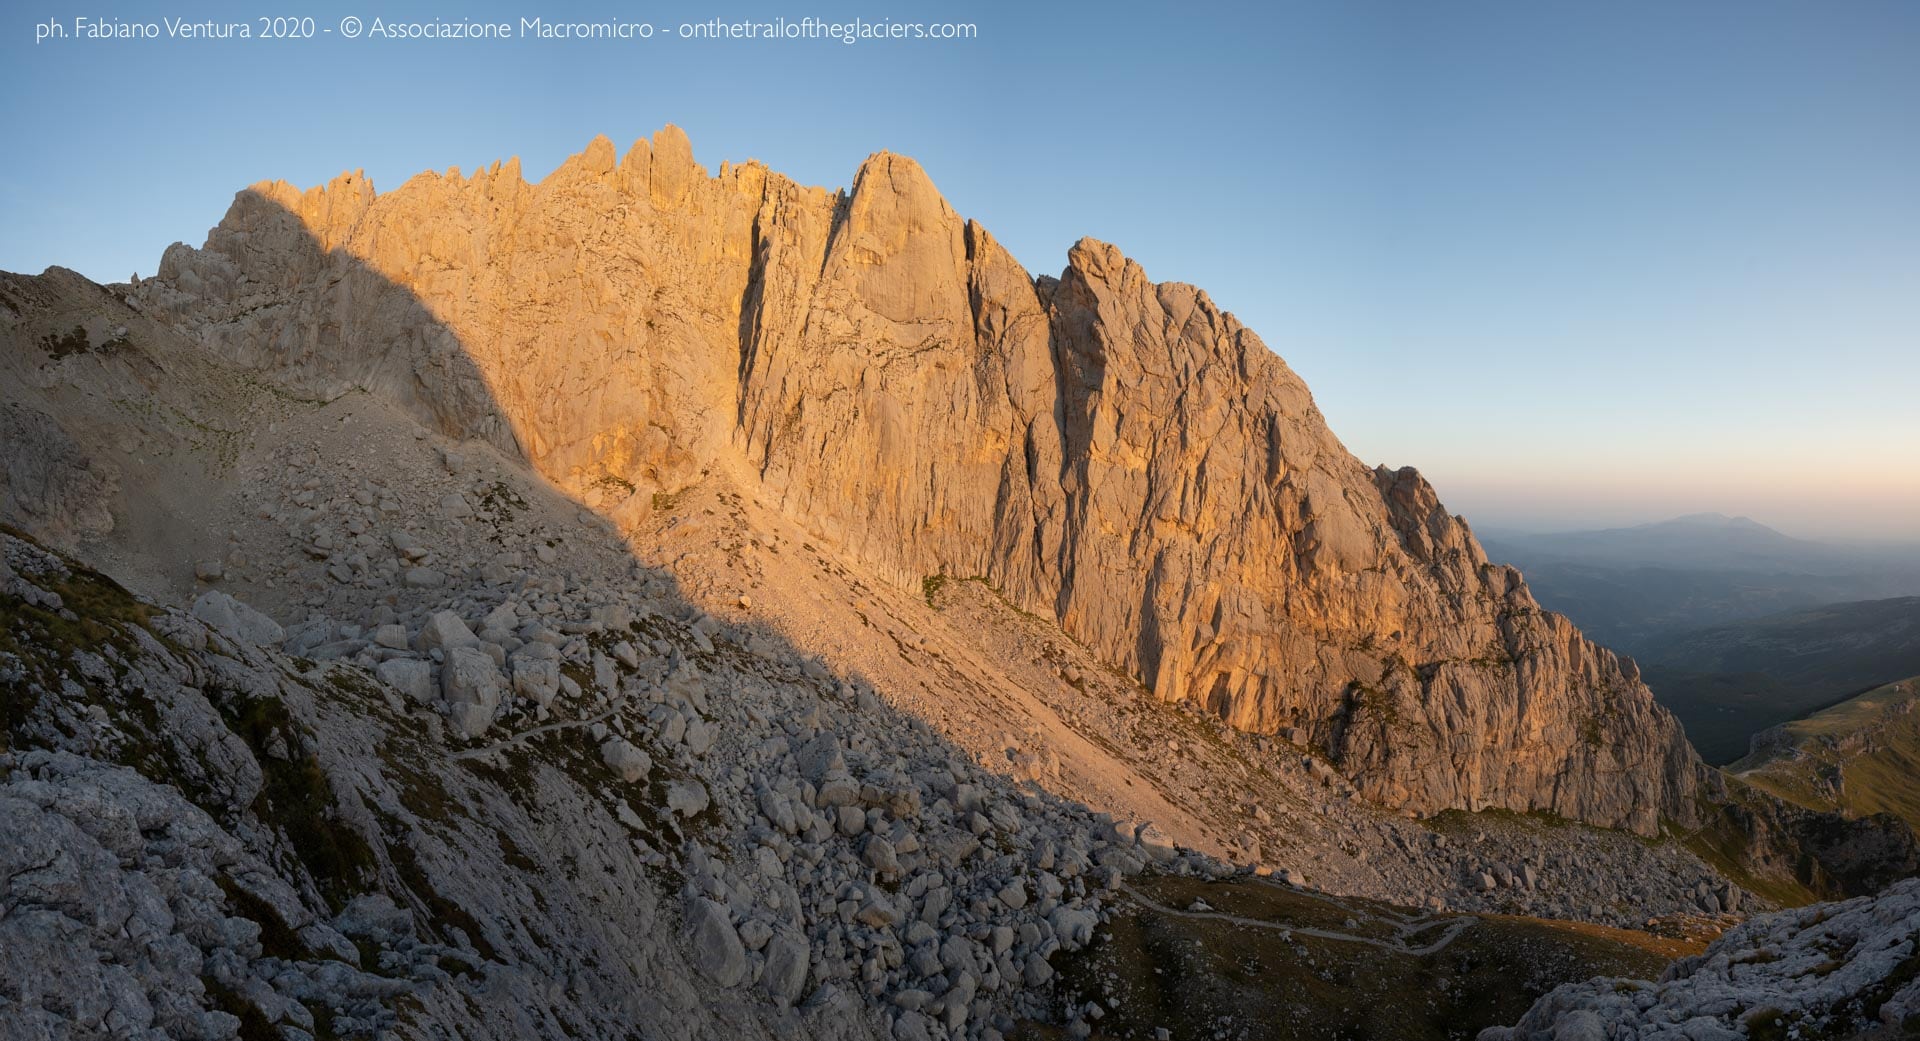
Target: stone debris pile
812, 844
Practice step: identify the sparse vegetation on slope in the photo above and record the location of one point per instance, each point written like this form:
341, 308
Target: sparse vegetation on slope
1258, 961
1859, 757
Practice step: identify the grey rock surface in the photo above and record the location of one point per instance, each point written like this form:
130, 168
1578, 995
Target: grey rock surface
198, 832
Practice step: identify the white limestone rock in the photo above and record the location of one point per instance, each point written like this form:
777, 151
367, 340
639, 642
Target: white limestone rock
536, 678
687, 798
1841, 968
239, 622
410, 676
470, 684
443, 631
788, 956
630, 762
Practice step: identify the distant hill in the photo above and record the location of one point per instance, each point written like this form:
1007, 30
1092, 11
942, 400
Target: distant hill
1729, 682
1631, 588
1710, 541
1860, 756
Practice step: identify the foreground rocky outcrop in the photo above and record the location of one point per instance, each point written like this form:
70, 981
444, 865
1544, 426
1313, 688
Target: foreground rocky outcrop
1838, 970
1112, 453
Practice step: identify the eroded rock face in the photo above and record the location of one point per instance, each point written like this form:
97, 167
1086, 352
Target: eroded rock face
1118, 454
46, 481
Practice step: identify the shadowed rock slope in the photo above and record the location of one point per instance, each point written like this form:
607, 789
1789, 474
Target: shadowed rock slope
205, 837
1116, 454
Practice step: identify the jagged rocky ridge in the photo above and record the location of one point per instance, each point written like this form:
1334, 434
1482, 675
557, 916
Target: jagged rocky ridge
1113, 453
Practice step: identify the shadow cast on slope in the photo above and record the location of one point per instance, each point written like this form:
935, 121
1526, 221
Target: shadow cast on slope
430, 373
364, 330
428, 370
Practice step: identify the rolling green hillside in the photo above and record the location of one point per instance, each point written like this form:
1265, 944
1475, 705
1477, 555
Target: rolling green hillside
1858, 757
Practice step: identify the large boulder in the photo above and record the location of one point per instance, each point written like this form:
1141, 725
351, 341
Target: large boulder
687, 798
788, 956
717, 950
48, 485
444, 631
536, 679
624, 759
410, 676
236, 620
470, 684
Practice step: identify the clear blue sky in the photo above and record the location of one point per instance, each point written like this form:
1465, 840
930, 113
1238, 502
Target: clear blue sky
1581, 263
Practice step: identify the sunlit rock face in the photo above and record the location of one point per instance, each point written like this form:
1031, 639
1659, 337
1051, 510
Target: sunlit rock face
1114, 453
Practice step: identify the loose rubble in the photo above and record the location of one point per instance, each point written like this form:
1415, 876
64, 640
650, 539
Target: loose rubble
808, 848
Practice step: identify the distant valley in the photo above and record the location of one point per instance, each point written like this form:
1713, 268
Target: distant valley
1729, 682
1632, 589
1736, 627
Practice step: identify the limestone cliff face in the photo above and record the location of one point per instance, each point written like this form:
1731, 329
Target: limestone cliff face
1115, 453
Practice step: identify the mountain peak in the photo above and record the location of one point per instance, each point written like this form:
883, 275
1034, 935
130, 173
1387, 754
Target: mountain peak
1113, 453
1712, 520
910, 195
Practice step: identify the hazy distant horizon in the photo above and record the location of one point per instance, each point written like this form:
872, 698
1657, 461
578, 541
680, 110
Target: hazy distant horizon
1497, 525
1491, 511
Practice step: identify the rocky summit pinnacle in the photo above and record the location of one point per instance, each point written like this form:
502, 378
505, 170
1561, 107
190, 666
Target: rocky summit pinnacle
1115, 454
